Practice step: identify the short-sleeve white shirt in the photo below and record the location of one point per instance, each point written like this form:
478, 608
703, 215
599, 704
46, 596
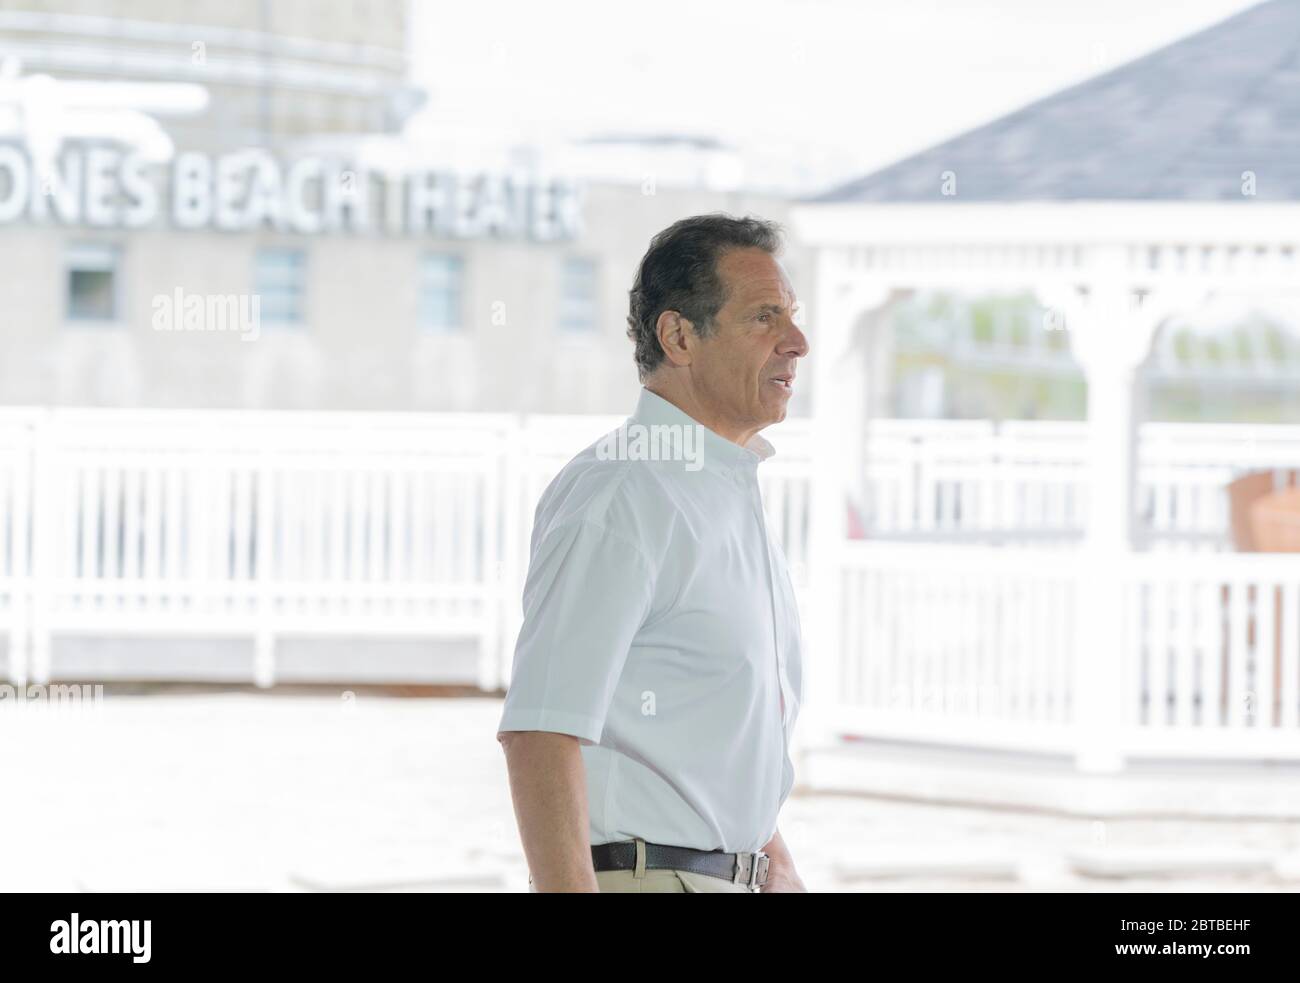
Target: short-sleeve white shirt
660, 629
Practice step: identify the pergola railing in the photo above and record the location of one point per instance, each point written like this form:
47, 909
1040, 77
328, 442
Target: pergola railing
1021, 481
1209, 666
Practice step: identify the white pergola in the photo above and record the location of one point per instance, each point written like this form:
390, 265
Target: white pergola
1110, 274
1119, 215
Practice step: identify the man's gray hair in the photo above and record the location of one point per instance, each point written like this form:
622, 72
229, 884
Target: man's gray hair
679, 272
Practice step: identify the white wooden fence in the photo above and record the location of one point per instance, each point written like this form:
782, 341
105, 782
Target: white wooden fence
257, 525
271, 525
1021, 482
17, 456
1209, 664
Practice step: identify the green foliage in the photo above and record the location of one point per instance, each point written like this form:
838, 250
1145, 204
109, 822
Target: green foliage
932, 328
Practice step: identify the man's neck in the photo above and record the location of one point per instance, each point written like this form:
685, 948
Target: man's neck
689, 403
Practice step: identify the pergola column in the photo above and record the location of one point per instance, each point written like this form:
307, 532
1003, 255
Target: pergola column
1111, 326
837, 427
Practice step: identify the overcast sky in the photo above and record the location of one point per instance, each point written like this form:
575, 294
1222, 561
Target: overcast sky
851, 84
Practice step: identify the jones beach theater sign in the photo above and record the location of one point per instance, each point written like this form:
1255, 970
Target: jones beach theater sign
99, 185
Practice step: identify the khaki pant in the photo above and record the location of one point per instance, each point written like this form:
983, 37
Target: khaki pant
652, 881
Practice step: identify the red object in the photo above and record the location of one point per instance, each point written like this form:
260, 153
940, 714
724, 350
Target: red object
1275, 522
857, 528
1242, 494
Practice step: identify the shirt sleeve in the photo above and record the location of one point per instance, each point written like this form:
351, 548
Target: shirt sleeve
587, 593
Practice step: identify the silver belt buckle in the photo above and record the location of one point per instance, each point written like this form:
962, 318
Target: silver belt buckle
758, 863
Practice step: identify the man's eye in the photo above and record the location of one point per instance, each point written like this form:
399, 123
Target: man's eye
764, 317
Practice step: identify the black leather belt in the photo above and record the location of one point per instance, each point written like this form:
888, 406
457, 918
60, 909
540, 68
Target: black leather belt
749, 869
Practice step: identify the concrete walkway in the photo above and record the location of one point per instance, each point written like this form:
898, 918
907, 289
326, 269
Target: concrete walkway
279, 792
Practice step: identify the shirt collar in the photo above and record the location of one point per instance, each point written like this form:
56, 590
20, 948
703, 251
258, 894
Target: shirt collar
719, 454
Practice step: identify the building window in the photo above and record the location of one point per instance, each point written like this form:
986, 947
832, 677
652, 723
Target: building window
278, 282
578, 295
442, 279
92, 282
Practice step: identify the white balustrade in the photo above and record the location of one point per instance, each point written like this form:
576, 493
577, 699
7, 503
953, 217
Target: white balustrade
978, 646
122, 523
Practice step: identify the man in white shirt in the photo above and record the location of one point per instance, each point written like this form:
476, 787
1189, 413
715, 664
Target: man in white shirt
657, 675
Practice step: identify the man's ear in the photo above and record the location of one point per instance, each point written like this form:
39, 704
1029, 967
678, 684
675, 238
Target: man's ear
676, 337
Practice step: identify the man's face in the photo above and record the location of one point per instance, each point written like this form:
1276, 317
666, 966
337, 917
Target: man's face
744, 370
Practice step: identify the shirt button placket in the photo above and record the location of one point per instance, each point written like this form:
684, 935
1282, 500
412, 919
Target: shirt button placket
756, 502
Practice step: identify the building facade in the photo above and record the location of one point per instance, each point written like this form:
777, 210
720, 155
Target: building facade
250, 268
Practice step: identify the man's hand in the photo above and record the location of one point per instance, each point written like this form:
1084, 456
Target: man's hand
782, 878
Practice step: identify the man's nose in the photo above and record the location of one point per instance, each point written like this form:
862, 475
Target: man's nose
796, 342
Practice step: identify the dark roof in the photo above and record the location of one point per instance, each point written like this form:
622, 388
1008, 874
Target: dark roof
1181, 123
